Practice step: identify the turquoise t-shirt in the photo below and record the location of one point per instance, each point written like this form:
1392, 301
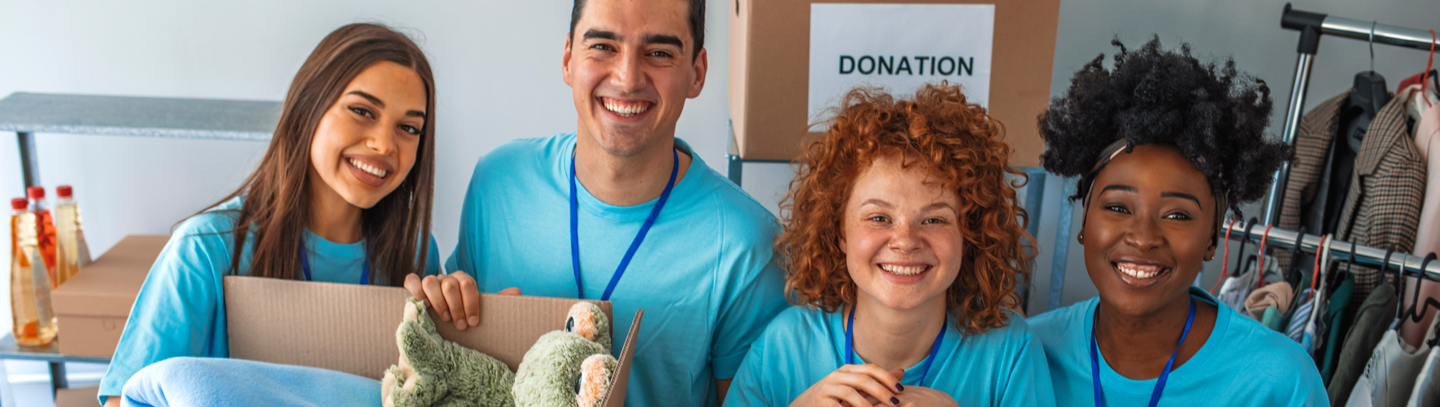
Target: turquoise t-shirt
1242, 363
1001, 367
703, 274
180, 310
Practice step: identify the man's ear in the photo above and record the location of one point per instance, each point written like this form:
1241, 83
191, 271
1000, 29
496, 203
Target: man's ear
565, 60
699, 68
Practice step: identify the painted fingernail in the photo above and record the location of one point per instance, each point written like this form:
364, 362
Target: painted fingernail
445, 316
894, 401
899, 387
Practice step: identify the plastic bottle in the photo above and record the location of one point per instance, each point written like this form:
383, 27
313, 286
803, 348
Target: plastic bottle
29, 281
46, 227
71, 251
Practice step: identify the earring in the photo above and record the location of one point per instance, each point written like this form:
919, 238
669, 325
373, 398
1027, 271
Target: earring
1210, 257
1081, 237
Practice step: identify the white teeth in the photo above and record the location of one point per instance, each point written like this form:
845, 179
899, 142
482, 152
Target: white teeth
1138, 270
378, 173
903, 270
625, 109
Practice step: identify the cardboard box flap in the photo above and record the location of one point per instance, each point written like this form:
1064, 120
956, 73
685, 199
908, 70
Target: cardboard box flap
351, 328
615, 396
107, 287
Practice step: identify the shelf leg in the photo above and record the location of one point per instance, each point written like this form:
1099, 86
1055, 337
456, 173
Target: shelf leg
29, 167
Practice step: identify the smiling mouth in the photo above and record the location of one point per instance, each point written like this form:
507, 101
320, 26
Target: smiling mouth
1140, 275
904, 270
625, 109
378, 173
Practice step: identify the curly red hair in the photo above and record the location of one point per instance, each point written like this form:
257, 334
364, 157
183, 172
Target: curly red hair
962, 148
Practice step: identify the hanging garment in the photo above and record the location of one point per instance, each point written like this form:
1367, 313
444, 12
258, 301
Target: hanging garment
1427, 142
1315, 328
1277, 295
1336, 327
1390, 373
1296, 329
1427, 383
1271, 318
1381, 203
1373, 318
1235, 290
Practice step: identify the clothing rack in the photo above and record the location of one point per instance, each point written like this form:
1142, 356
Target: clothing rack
1340, 250
1312, 26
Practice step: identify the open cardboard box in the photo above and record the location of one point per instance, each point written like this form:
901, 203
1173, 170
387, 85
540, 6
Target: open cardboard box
770, 57
351, 328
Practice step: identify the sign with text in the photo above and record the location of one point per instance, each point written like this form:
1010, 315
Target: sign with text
898, 47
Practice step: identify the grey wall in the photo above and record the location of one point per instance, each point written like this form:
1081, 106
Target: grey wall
497, 65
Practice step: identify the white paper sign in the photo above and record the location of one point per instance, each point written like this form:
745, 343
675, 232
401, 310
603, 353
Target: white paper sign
898, 47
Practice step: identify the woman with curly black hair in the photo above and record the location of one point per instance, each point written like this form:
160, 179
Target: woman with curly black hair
1163, 144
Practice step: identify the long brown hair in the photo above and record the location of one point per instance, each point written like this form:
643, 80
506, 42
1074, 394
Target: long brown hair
276, 199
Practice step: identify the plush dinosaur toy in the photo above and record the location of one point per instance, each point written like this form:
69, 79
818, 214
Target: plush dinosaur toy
568, 367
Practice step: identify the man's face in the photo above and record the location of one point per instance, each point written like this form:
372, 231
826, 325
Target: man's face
630, 66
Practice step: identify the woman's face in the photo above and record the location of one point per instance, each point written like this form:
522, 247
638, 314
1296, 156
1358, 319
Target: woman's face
365, 143
1148, 229
902, 238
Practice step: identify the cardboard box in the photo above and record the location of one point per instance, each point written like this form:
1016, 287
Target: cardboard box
351, 328
91, 308
771, 86
81, 397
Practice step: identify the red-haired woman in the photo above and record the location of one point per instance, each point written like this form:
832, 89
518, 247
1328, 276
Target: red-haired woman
902, 244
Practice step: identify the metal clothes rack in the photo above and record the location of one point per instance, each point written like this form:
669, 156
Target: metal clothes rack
1340, 250
1311, 26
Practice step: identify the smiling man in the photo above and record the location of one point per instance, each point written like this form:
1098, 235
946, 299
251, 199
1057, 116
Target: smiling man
622, 210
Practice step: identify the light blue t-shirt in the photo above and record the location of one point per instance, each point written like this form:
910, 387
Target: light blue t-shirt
703, 274
1241, 364
1001, 367
180, 310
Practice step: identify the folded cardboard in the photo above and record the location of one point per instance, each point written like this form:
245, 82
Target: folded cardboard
351, 328
91, 308
81, 397
772, 92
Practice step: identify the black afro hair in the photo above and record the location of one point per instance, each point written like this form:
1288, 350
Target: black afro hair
1216, 117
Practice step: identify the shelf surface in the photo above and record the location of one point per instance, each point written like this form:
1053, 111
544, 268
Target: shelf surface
208, 119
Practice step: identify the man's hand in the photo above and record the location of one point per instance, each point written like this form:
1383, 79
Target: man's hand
926, 397
454, 296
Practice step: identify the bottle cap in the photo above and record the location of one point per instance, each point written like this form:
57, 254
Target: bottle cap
35, 192
19, 204
63, 191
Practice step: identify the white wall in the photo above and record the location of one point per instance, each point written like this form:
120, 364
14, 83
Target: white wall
497, 64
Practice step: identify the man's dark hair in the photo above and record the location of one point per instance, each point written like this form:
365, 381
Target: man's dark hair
697, 24
1215, 116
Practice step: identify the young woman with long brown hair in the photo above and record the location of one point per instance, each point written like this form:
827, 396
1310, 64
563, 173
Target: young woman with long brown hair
343, 195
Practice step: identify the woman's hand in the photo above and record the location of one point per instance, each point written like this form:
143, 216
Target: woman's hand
854, 386
454, 296
926, 397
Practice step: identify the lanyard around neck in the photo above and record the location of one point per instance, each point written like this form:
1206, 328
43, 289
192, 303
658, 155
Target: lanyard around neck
925, 368
635, 244
305, 266
1159, 383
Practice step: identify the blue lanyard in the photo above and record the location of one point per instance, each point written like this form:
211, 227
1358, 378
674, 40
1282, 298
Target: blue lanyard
925, 368
644, 228
1159, 384
305, 266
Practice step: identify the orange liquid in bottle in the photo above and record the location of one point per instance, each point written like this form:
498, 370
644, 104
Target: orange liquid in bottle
46, 242
34, 323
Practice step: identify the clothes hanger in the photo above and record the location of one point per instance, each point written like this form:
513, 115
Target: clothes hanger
1260, 269
1415, 313
1292, 275
1368, 94
1240, 259
1225, 258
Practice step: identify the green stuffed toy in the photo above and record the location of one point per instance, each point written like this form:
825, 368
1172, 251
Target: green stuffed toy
568, 367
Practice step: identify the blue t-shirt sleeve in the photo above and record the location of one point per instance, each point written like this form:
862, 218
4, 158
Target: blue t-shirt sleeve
749, 388
174, 312
1028, 383
432, 262
752, 297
